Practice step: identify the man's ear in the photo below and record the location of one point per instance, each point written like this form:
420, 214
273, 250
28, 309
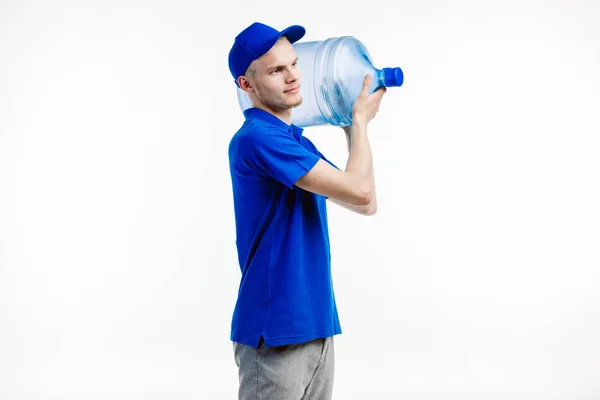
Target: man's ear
245, 84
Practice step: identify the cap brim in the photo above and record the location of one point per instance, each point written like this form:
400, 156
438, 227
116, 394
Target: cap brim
293, 33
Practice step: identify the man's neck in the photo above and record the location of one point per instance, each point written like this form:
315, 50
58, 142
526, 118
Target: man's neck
283, 114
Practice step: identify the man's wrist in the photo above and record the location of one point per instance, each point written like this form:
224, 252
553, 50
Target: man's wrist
359, 122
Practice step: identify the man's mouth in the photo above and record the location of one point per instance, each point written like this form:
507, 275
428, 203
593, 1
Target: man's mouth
293, 90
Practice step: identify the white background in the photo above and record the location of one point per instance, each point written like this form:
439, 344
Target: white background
477, 279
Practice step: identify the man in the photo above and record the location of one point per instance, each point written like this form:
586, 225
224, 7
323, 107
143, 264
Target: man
286, 316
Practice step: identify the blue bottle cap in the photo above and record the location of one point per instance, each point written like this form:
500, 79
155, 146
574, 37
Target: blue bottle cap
392, 77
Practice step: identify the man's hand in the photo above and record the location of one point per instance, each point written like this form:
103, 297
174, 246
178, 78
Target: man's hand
365, 106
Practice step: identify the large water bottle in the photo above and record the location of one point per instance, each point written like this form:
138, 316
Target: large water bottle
331, 77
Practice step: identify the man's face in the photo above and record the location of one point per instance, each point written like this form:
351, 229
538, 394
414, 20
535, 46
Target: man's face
276, 83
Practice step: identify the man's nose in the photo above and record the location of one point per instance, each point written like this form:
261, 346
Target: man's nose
293, 75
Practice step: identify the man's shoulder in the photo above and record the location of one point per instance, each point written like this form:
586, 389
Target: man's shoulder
255, 134
243, 137
247, 141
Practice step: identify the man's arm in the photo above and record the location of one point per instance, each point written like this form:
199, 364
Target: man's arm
370, 208
355, 185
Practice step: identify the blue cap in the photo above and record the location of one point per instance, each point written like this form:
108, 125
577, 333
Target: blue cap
393, 77
254, 41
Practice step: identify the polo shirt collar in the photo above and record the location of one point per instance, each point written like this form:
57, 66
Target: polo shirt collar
264, 116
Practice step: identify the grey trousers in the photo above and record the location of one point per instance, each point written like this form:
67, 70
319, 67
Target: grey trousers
294, 372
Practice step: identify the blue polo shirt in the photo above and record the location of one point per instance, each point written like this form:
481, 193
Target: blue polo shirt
286, 290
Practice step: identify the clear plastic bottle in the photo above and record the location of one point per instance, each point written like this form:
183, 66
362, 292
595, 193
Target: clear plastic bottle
331, 77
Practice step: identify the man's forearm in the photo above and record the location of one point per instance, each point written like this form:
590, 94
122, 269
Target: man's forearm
360, 158
371, 208
348, 132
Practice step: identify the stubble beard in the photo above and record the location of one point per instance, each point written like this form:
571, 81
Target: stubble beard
285, 106
294, 105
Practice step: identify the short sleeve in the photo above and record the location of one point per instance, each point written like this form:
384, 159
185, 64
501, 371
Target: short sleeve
312, 146
325, 159
279, 155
